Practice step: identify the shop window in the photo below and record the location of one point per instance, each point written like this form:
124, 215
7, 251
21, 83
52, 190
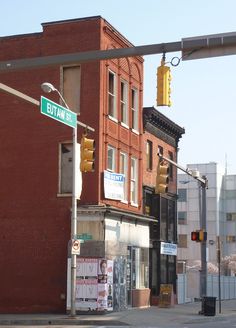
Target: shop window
140, 274
171, 226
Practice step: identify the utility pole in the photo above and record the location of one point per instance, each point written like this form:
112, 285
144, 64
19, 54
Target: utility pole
203, 185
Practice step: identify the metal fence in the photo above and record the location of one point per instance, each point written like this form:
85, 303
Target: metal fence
189, 287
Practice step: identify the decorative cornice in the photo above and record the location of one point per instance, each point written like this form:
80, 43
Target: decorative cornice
161, 126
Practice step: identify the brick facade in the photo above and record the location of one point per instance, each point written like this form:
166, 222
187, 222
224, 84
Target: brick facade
35, 219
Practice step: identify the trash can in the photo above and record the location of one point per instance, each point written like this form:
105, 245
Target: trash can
209, 306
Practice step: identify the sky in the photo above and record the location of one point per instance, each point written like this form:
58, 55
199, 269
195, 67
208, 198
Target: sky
203, 91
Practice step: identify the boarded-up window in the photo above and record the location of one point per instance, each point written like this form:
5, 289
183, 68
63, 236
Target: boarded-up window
66, 168
71, 87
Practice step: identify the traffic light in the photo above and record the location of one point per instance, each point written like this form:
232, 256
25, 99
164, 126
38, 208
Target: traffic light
163, 85
199, 235
87, 154
162, 178
195, 235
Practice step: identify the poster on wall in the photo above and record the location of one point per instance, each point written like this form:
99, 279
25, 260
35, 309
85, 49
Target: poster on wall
90, 267
94, 284
80, 267
102, 271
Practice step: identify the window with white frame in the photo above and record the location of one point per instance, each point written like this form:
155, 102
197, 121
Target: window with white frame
124, 170
112, 94
134, 108
134, 181
124, 102
111, 158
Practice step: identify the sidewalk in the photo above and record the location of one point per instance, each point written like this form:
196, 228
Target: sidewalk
147, 317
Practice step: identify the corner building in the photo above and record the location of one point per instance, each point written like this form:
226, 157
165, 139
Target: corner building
36, 181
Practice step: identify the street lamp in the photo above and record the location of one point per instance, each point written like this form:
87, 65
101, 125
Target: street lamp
48, 87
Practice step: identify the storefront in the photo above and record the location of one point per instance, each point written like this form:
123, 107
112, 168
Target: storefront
123, 238
163, 242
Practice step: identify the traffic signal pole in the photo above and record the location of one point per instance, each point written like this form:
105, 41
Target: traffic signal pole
203, 183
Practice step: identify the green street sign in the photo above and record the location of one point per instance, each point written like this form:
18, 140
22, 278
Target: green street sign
57, 112
84, 236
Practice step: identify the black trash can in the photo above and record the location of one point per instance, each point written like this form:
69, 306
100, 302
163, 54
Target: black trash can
209, 306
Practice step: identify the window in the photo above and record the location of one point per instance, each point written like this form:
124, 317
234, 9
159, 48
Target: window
134, 181
124, 170
124, 102
134, 108
140, 275
149, 154
71, 87
112, 94
183, 241
231, 216
170, 165
182, 195
182, 217
160, 150
111, 160
230, 239
66, 169
230, 194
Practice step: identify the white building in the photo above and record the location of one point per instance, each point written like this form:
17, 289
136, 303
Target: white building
221, 216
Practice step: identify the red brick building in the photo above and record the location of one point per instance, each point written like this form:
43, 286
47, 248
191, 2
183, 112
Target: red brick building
160, 135
36, 181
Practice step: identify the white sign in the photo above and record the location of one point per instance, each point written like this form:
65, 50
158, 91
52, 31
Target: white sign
114, 185
168, 249
75, 247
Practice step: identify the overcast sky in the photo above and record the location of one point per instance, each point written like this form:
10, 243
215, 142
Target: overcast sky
203, 91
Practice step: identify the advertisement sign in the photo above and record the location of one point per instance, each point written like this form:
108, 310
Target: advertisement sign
114, 185
168, 249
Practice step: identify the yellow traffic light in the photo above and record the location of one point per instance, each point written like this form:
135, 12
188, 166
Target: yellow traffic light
163, 85
162, 178
202, 235
87, 154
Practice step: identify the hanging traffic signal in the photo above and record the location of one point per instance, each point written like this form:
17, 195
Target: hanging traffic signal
163, 85
87, 154
162, 178
199, 235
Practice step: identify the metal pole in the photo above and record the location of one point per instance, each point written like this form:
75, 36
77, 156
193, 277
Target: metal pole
219, 271
203, 272
73, 216
73, 226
